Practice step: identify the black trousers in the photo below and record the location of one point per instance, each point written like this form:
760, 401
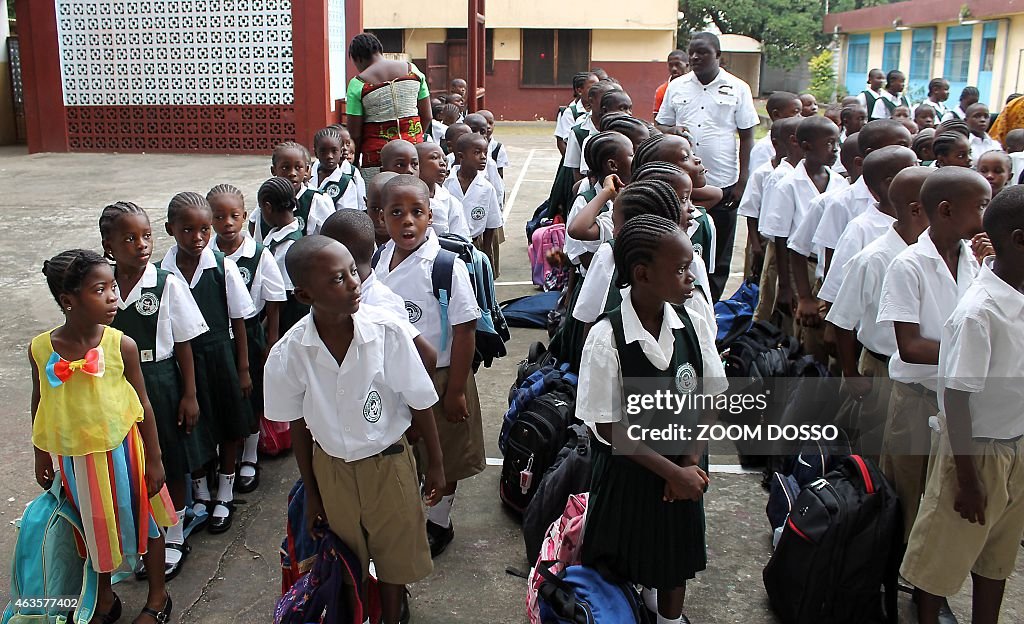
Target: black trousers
724, 216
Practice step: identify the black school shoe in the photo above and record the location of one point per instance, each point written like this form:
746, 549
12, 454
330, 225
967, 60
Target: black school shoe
439, 537
220, 525
245, 485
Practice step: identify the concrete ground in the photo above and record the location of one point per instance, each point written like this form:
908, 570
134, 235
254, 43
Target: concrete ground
51, 202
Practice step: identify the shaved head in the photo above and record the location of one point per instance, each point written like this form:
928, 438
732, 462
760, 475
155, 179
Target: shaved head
951, 184
353, 229
906, 186
300, 261
1004, 216
882, 165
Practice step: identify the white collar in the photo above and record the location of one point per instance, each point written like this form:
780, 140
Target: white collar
334, 177
277, 234
302, 189
427, 251
860, 189
148, 280
633, 330
206, 261
246, 250
1009, 299
928, 249
363, 332
441, 193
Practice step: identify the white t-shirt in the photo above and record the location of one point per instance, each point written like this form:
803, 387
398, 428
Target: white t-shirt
361, 407
479, 202
840, 209
411, 281
178, 317
982, 352
712, 113
861, 232
268, 283
919, 288
447, 213
239, 302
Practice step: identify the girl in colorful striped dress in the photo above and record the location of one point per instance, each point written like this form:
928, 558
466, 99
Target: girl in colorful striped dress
90, 409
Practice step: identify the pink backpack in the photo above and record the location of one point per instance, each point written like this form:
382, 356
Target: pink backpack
559, 550
544, 240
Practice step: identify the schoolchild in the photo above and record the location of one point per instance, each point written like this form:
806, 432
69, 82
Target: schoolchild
851, 119
332, 174
951, 148
470, 187
968, 96
938, 93
581, 83
399, 156
290, 160
495, 148
922, 146
375, 208
1013, 143
455, 132
357, 468
892, 97
645, 521
925, 117
997, 167
447, 212
634, 129
779, 105
922, 287
589, 222
586, 126
156, 310
869, 96
678, 150
808, 105
90, 410
267, 288
615, 102
221, 355
405, 265
478, 124
972, 517
978, 120
437, 127
855, 309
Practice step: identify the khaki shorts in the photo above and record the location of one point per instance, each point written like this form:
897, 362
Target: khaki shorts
906, 445
944, 548
812, 339
768, 288
462, 444
874, 406
374, 506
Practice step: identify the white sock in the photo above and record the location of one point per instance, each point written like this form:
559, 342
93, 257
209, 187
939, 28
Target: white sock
249, 455
175, 535
650, 597
200, 491
225, 494
441, 513
665, 620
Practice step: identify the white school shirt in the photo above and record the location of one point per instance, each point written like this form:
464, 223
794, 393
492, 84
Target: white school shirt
350, 198
785, 205
939, 108
980, 145
268, 284
840, 209
712, 232
918, 288
240, 304
447, 213
861, 232
479, 202
178, 317
712, 113
881, 111
410, 280
594, 292
491, 173
982, 352
600, 401
955, 113
801, 240
563, 128
864, 100
359, 408
1017, 158
501, 161
762, 152
437, 132
574, 248
373, 292
573, 148
281, 250
856, 303
319, 209
750, 203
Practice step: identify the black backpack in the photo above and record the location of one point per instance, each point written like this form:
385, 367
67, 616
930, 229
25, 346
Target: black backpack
533, 442
838, 558
570, 474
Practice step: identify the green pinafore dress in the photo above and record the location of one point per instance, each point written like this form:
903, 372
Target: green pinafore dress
292, 311
256, 336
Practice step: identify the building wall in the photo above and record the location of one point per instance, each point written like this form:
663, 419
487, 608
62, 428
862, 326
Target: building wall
596, 14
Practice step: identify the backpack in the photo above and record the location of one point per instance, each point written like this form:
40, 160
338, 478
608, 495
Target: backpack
491, 330
814, 461
531, 311
580, 595
537, 357
496, 151
839, 549
559, 550
275, 437
569, 475
753, 360
532, 443
46, 562
544, 240
543, 380
545, 214
735, 314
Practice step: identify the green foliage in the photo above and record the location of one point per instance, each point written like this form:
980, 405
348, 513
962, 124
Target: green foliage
787, 29
823, 76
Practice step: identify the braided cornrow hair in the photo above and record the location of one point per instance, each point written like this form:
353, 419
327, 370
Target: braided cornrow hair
609, 118
280, 148
600, 149
644, 153
278, 192
649, 196
946, 141
226, 189
364, 46
181, 201
115, 211
623, 123
922, 141
66, 271
326, 133
954, 125
637, 243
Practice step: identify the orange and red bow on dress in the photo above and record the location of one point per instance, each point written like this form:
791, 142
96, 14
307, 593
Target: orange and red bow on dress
59, 370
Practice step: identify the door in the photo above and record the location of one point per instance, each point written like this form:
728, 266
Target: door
458, 65
988, 57
437, 67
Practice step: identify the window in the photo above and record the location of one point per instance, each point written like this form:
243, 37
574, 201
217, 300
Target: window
988, 54
552, 57
856, 62
891, 51
921, 55
958, 60
393, 39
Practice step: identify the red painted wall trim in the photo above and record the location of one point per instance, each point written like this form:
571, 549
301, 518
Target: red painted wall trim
917, 13
311, 68
45, 124
353, 26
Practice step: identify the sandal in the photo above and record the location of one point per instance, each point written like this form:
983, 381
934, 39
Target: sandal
110, 616
163, 615
221, 524
245, 485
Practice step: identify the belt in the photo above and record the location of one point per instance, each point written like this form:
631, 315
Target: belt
878, 356
920, 389
394, 449
1006, 441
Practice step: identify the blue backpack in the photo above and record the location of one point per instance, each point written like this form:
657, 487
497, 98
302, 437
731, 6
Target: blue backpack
735, 314
541, 381
579, 595
531, 311
47, 564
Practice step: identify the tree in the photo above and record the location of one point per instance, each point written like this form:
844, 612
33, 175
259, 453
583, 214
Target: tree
823, 76
787, 29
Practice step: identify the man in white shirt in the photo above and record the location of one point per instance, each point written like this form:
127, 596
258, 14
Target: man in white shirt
713, 106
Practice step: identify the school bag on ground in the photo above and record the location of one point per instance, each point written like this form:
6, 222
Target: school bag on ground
541, 381
570, 474
735, 315
532, 442
815, 459
531, 311
46, 562
275, 437
580, 595
537, 357
544, 240
838, 557
559, 549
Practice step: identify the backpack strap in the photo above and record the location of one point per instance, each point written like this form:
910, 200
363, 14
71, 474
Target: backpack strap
494, 152
376, 257
441, 276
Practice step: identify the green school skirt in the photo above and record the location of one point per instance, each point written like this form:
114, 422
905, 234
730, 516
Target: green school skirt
224, 414
163, 387
567, 343
561, 197
257, 340
632, 534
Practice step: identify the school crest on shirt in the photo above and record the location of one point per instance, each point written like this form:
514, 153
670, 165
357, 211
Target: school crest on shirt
686, 378
148, 304
302, 223
698, 249
478, 213
333, 190
414, 311
246, 274
372, 407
